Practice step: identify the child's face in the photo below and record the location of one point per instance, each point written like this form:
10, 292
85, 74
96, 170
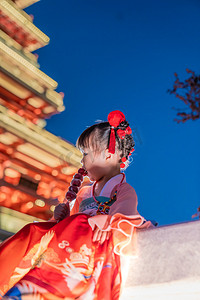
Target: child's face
99, 162
95, 163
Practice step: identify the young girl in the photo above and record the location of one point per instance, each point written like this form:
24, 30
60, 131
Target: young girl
78, 257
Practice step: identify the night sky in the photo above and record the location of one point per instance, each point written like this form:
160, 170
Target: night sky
108, 55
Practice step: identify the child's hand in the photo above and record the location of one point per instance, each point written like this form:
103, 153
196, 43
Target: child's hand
61, 211
100, 236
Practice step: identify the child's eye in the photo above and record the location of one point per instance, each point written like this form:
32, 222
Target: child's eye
84, 154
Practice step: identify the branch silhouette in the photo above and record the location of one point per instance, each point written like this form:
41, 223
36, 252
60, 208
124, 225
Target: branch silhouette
187, 91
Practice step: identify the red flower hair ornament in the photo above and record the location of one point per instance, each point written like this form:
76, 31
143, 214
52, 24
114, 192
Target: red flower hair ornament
115, 118
121, 133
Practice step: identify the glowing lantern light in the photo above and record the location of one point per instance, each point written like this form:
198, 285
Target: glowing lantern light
11, 176
52, 208
29, 205
43, 189
37, 177
54, 172
40, 202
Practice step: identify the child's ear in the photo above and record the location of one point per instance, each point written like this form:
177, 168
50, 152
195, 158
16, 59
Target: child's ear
107, 154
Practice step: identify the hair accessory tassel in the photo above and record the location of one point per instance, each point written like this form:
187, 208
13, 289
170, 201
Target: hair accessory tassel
114, 118
112, 141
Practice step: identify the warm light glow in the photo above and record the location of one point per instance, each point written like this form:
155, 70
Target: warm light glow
40, 202
37, 111
21, 112
19, 168
39, 154
52, 208
13, 87
43, 190
69, 170
11, 173
61, 151
2, 196
36, 102
58, 193
28, 160
37, 177
16, 197
29, 205
7, 138
9, 151
11, 176
54, 172
48, 109
5, 189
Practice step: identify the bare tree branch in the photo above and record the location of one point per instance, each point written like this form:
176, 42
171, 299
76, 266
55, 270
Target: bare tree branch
188, 91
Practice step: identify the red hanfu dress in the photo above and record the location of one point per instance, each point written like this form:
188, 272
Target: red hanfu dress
49, 260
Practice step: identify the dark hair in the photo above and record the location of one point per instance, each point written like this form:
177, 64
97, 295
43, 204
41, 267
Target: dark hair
98, 136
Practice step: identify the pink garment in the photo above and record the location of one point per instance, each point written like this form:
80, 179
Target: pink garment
125, 204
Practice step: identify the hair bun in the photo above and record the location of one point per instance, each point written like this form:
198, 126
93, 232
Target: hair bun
115, 117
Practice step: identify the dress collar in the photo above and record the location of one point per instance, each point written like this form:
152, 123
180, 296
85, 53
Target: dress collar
110, 184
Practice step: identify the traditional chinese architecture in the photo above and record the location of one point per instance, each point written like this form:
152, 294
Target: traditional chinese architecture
36, 166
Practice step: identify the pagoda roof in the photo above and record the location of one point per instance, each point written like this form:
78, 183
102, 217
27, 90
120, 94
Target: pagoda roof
14, 19
60, 149
10, 42
18, 66
24, 3
24, 102
22, 88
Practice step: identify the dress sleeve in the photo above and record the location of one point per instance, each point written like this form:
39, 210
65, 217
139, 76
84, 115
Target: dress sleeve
126, 202
82, 194
75, 208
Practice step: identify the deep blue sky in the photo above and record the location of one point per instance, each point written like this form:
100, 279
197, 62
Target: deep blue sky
114, 54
